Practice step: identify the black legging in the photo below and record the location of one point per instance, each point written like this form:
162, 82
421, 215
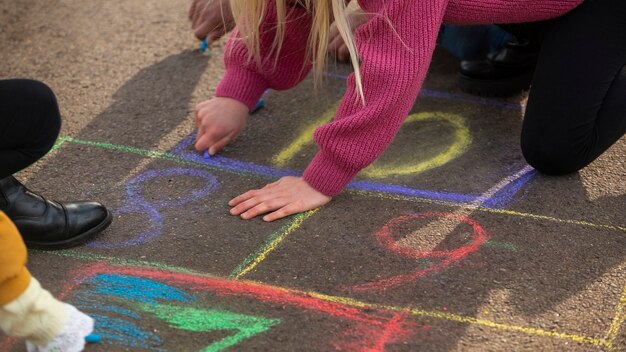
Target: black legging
29, 123
577, 103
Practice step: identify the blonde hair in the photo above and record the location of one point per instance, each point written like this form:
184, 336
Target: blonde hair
248, 15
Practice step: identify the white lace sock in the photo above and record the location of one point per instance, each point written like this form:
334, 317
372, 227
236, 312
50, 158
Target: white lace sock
72, 338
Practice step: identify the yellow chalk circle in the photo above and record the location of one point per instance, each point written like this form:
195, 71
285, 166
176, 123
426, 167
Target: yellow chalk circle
305, 138
460, 144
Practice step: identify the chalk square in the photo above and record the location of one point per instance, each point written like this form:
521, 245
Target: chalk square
528, 272
164, 210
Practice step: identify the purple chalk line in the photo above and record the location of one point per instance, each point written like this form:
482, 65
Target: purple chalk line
138, 204
225, 163
505, 196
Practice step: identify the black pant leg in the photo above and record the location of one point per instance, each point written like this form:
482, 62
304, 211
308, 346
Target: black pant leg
577, 103
29, 123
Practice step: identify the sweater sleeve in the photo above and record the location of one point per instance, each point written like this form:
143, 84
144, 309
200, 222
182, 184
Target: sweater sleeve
395, 47
506, 11
14, 278
244, 80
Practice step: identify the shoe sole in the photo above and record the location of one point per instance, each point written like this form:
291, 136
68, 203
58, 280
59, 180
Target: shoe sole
74, 241
496, 88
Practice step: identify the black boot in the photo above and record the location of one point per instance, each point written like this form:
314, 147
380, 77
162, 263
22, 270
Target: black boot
46, 224
503, 73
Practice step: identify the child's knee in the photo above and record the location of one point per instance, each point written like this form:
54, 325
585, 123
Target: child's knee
549, 156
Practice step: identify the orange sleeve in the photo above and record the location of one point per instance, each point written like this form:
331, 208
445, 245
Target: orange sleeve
14, 277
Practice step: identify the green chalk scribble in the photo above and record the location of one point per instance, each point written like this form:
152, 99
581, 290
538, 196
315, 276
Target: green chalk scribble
200, 320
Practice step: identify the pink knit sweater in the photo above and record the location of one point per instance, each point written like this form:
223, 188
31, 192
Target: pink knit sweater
395, 48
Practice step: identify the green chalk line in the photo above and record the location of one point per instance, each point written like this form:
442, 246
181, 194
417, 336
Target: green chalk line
497, 244
159, 155
201, 320
122, 262
58, 144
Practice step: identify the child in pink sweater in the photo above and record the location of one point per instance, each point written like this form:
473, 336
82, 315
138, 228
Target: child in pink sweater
276, 43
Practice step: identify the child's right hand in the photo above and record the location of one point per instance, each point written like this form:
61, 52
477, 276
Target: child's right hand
219, 122
211, 19
72, 338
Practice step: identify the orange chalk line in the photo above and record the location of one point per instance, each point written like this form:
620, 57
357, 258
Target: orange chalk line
352, 302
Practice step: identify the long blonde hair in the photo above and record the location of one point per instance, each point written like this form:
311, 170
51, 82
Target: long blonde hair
248, 16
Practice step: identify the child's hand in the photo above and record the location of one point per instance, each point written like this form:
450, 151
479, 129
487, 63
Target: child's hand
211, 19
219, 122
287, 196
72, 337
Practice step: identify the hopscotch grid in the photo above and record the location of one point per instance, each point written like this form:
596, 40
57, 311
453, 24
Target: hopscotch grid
346, 301
612, 332
276, 238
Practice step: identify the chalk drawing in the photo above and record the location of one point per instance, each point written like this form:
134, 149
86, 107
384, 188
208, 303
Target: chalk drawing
205, 320
361, 339
461, 142
273, 241
618, 321
146, 295
136, 203
379, 316
124, 331
304, 138
447, 258
156, 292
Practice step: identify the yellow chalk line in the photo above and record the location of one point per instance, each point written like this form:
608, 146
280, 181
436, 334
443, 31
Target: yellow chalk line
304, 138
462, 319
489, 210
275, 242
618, 320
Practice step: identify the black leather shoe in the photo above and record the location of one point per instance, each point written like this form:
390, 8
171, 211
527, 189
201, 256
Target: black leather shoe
503, 73
46, 224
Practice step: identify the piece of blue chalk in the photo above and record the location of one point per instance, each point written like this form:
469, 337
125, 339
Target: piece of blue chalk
259, 105
204, 46
207, 155
93, 338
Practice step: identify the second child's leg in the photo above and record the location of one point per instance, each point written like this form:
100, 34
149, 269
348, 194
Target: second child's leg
27, 310
29, 125
577, 104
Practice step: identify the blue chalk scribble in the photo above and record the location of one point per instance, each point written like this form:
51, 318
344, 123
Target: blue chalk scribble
137, 289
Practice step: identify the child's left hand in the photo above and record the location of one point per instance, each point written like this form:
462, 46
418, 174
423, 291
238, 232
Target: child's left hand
287, 196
